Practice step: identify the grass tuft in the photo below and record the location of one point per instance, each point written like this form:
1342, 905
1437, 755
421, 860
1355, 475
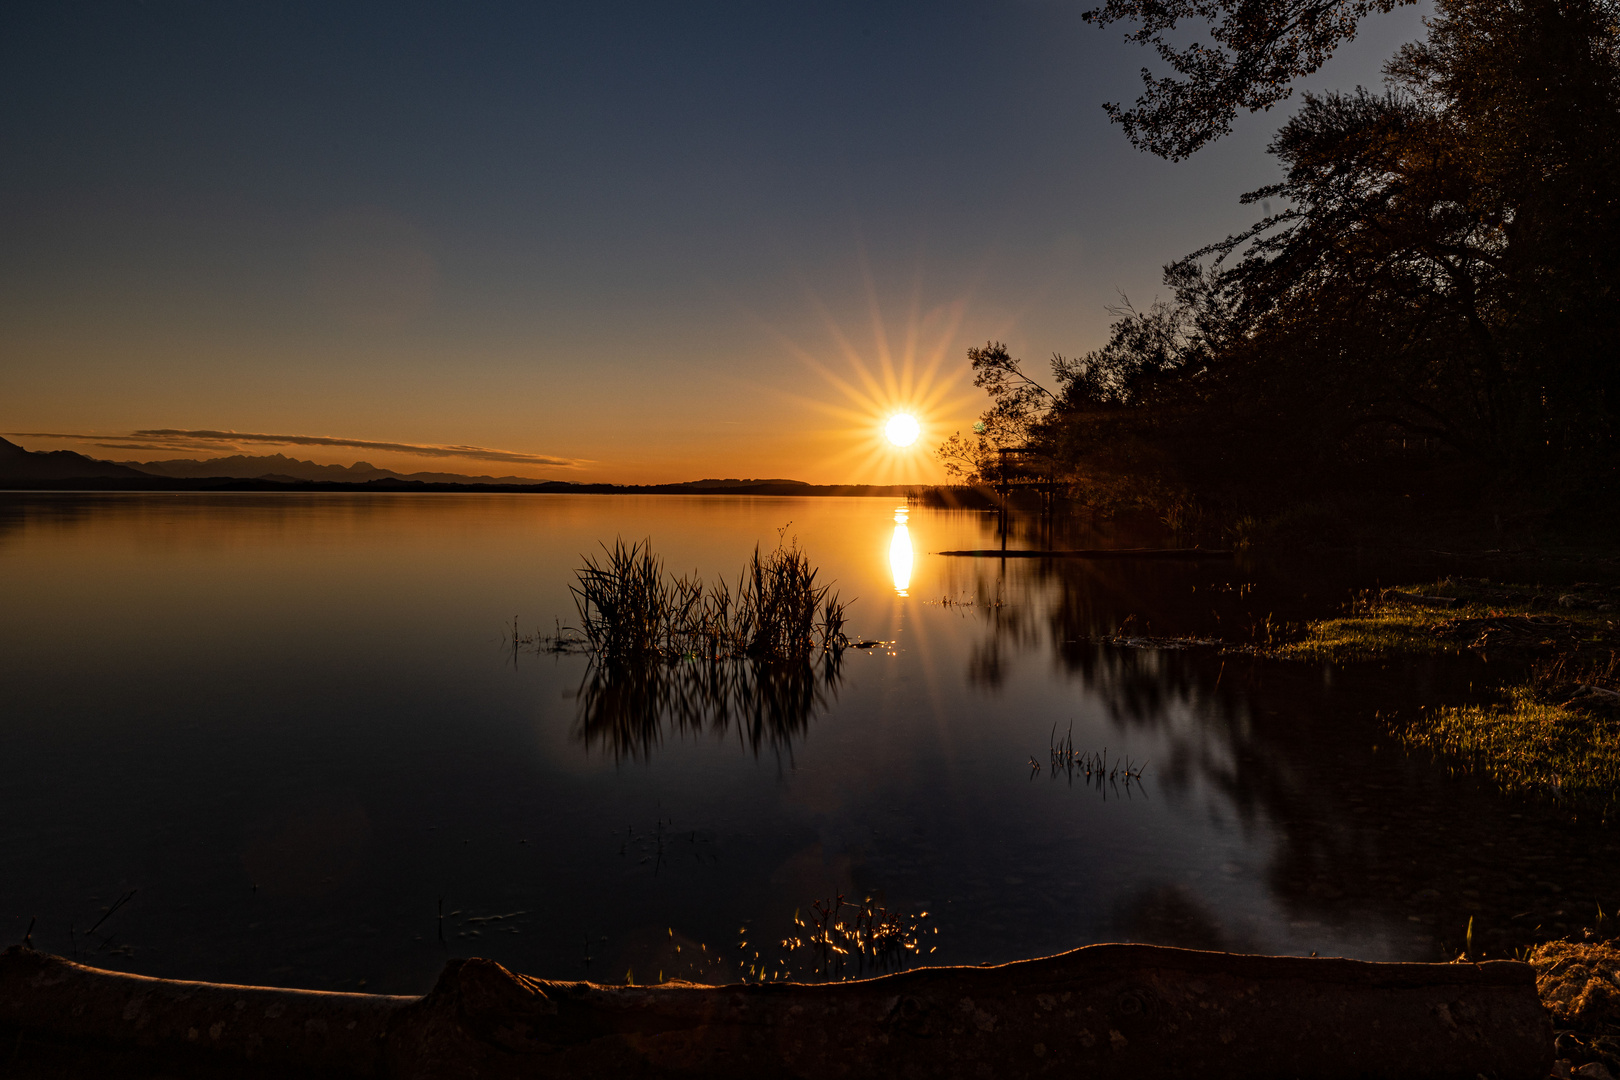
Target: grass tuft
836, 940
1562, 752
1454, 615
1554, 735
672, 653
630, 609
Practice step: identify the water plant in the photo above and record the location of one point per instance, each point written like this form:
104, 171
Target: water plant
835, 939
631, 609
672, 652
1092, 769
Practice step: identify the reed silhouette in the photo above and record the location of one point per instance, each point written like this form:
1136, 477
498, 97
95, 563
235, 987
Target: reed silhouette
675, 655
631, 609
834, 940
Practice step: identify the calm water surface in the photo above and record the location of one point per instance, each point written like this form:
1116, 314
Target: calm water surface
297, 728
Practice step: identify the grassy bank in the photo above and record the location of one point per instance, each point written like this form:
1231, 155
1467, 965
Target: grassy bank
1455, 615
1553, 731
1568, 753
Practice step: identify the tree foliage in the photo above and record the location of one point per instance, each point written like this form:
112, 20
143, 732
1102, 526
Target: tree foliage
1018, 405
1259, 47
1442, 284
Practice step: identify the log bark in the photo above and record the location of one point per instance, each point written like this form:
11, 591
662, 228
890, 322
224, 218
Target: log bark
1140, 1011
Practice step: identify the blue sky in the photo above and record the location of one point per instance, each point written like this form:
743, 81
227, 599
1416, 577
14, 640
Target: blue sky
632, 241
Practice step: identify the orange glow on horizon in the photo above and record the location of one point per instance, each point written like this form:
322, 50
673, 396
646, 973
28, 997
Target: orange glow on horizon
897, 405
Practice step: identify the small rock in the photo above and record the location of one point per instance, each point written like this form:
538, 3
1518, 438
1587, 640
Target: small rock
1592, 1070
1569, 1046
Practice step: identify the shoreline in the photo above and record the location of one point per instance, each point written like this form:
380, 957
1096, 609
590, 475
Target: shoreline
1147, 1011
161, 486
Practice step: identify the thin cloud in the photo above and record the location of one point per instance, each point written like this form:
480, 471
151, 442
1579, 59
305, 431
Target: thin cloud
191, 441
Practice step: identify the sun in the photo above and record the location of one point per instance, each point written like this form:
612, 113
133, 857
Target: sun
898, 392
902, 429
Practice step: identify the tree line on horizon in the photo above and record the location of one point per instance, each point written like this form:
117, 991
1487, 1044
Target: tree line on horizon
1433, 309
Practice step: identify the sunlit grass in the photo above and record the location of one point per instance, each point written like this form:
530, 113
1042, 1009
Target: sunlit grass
1450, 616
834, 940
1376, 630
1569, 755
1554, 734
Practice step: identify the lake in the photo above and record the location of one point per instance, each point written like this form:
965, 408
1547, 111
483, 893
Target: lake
295, 736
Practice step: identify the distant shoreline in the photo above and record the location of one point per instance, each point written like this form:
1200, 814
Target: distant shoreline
161, 485
66, 471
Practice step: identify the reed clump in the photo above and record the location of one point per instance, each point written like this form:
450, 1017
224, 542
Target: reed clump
836, 939
1092, 769
631, 609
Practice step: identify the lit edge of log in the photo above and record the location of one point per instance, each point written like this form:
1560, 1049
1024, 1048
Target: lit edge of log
1139, 1010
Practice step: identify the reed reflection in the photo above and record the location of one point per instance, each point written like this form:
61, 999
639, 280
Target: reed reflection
680, 655
628, 709
901, 556
1301, 752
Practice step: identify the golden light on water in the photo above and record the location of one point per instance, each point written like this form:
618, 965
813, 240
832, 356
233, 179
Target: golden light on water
902, 429
901, 556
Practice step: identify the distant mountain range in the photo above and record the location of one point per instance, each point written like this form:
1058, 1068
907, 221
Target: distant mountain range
282, 467
34, 468
17, 464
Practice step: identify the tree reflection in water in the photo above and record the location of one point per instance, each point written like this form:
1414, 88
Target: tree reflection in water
628, 709
1354, 833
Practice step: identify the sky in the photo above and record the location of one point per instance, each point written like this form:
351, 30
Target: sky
625, 242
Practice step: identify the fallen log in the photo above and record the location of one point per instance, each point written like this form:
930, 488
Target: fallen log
1140, 1011
1092, 553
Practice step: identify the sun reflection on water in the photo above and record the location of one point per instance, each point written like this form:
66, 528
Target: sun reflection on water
900, 554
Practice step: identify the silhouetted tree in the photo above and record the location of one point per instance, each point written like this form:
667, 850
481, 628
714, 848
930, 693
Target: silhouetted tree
1259, 47
1448, 263
1442, 284
1018, 404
